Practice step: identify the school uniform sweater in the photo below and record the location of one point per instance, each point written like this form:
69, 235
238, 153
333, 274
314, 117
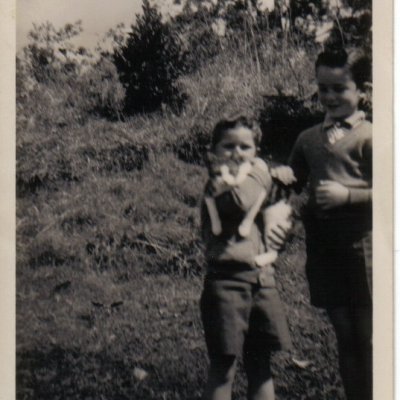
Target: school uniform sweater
340, 152
339, 250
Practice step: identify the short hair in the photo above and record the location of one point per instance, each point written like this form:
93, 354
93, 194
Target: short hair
357, 61
237, 121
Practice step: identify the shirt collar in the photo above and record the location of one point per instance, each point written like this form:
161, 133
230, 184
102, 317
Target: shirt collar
349, 122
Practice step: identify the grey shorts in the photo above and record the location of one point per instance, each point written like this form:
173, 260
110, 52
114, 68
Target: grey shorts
241, 316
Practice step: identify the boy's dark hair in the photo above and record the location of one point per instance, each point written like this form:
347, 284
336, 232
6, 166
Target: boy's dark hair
236, 122
358, 62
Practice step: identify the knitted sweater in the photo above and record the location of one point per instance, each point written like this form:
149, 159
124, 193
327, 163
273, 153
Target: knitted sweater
341, 153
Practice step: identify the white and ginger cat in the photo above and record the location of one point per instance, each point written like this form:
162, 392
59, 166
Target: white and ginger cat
227, 173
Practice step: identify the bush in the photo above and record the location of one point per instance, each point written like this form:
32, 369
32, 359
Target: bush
282, 119
101, 85
149, 64
201, 44
58, 84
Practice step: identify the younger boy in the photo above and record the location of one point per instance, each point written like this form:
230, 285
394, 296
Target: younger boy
240, 305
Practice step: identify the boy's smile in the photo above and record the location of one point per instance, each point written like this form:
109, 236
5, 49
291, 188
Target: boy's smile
337, 91
237, 142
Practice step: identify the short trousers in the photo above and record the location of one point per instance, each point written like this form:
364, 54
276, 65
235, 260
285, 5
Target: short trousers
339, 265
241, 316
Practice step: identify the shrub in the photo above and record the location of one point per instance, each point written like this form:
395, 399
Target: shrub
149, 64
100, 83
201, 43
58, 84
282, 119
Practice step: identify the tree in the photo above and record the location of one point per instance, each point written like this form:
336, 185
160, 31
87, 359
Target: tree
150, 63
57, 82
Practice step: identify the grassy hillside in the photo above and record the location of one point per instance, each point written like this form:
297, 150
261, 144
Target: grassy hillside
109, 258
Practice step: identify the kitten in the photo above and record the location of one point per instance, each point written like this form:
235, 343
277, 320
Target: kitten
227, 173
223, 175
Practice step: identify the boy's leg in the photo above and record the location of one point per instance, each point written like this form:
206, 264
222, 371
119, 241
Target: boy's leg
258, 371
220, 378
363, 332
349, 364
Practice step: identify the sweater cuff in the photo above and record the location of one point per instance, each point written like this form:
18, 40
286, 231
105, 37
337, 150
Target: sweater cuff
360, 195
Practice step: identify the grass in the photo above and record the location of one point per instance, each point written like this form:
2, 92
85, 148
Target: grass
91, 330
98, 333
109, 279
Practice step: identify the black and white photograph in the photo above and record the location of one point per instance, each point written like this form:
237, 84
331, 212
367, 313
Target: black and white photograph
195, 193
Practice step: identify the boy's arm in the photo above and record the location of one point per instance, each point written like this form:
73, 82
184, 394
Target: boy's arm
364, 195
276, 226
284, 174
331, 194
276, 216
298, 163
357, 195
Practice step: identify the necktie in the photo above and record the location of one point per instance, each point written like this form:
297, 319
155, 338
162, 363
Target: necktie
335, 133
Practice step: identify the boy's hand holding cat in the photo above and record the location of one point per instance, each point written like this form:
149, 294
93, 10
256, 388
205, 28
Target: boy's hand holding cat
275, 232
275, 235
277, 224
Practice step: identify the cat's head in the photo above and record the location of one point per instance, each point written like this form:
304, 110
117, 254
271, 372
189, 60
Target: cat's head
214, 164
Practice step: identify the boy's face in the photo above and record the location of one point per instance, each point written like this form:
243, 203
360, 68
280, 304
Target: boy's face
237, 142
337, 91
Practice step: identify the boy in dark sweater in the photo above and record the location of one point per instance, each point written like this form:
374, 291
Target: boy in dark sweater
335, 159
241, 309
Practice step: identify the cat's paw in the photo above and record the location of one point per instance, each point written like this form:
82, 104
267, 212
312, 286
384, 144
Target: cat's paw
245, 228
266, 258
216, 228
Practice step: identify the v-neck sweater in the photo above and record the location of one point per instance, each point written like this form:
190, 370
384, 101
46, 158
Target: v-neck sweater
347, 161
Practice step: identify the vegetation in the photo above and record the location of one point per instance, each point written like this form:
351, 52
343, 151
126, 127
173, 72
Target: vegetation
149, 64
110, 147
